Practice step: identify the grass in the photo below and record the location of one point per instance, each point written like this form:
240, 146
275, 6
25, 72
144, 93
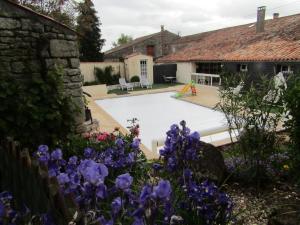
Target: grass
155, 86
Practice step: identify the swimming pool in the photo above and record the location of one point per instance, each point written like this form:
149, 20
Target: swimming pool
157, 112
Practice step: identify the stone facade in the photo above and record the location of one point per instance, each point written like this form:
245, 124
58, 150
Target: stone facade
37, 43
160, 41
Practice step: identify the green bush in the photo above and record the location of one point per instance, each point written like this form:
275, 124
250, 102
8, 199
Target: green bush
292, 101
254, 120
106, 76
135, 79
36, 110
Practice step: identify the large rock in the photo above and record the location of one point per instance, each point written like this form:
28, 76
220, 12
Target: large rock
211, 164
63, 48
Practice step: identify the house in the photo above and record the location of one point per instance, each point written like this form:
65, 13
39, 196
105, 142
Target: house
138, 64
263, 47
155, 45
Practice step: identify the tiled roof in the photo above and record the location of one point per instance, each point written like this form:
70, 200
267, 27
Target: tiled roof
133, 42
279, 42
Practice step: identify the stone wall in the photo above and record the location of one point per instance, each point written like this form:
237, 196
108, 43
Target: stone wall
32, 41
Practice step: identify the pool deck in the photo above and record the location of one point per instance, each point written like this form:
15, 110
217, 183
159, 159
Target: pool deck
206, 96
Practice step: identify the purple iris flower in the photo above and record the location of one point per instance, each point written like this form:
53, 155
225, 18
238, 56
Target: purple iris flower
93, 172
163, 189
195, 136
124, 181
138, 221
101, 191
88, 153
73, 160
56, 154
43, 149
136, 143
119, 142
2, 211
116, 205
103, 221
145, 193
63, 178
157, 166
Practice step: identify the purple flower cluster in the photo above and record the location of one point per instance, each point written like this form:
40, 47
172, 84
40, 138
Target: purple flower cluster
207, 200
180, 154
8, 215
181, 147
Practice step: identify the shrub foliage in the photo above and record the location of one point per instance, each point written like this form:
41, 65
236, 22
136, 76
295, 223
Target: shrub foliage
106, 76
36, 110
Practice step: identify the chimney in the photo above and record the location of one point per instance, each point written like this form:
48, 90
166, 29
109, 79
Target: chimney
275, 16
260, 24
162, 28
162, 36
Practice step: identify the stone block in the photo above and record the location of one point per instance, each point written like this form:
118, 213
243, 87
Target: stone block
50, 63
35, 35
50, 35
74, 62
34, 66
9, 23
6, 33
71, 37
26, 24
4, 46
61, 36
17, 67
22, 33
75, 88
4, 66
38, 27
78, 78
7, 40
72, 72
63, 48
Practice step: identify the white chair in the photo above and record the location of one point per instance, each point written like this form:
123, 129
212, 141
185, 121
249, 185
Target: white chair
279, 85
145, 83
123, 84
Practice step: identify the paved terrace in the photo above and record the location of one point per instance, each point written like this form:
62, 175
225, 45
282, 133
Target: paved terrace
206, 96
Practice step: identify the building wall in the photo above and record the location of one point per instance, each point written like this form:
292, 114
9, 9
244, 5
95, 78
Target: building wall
141, 47
88, 69
30, 42
184, 71
133, 67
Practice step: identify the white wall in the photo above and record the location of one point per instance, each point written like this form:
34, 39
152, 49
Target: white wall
87, 69
184, 71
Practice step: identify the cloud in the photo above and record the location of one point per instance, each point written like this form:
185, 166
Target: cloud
138, 18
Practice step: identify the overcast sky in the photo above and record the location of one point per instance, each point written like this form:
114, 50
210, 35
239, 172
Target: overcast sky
141, 17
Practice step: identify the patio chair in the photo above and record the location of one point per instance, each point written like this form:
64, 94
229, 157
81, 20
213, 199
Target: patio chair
280, 86
123, 84
145, 83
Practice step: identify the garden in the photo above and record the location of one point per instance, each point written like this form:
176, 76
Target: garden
49, 175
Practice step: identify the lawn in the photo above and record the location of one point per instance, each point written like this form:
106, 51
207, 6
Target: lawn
155, 86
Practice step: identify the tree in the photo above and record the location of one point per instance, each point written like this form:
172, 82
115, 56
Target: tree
123, 39
88, 26
62, 11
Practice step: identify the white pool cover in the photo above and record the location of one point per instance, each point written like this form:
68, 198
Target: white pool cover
157, 112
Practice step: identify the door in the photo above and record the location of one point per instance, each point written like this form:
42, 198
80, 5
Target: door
143, 65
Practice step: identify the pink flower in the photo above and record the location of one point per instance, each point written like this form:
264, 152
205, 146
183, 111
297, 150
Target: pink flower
103, 137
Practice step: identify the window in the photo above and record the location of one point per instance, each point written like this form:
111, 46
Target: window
150, 50
143, 64
209, 68
242, 68
282, 68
